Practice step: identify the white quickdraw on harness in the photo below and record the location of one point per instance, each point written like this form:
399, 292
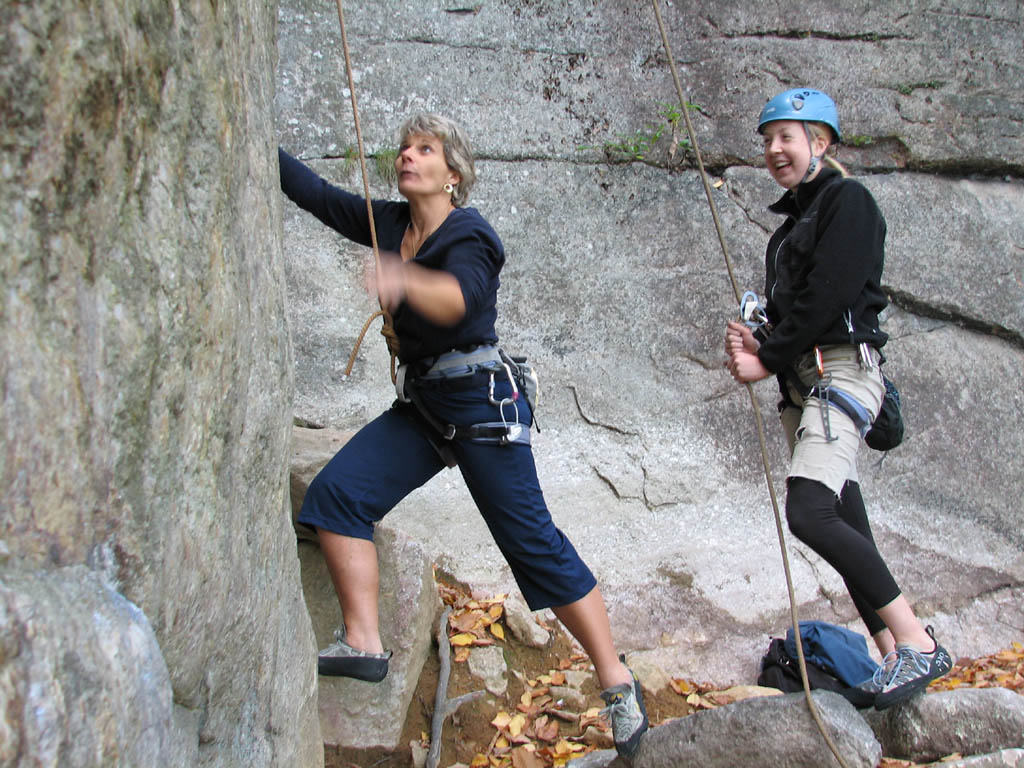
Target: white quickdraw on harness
456, 366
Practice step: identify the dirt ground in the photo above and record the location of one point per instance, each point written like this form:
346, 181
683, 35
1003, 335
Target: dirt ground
483, 733
470, 732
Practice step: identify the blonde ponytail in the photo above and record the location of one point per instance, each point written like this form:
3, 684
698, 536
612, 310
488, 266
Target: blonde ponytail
817, 129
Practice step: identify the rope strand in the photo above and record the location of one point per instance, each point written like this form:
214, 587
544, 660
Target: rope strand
758, 418
388, 330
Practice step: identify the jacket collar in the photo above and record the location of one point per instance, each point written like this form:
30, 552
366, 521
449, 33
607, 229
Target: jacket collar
795, 201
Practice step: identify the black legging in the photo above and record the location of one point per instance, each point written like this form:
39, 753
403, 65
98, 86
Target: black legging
838, 530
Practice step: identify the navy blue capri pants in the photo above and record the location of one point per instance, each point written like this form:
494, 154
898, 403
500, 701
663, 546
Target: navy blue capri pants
394, 454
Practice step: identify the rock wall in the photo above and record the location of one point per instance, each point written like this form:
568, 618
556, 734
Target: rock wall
149, 586
615, 286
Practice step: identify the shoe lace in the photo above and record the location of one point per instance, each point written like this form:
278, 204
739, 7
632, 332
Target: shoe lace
910, 665
885, 669
624, 718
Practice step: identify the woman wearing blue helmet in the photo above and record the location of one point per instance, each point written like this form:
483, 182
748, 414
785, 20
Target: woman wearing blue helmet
822, 341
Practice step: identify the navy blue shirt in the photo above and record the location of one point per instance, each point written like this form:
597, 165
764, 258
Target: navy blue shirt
464, 245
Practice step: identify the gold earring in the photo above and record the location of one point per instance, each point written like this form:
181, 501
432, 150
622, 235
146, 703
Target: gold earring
448, 188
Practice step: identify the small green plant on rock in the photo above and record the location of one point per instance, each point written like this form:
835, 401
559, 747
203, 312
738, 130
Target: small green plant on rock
384, 161
349, 157
908, 88
639, 145
859, 140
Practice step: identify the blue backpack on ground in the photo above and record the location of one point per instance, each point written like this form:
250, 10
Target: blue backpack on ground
836, 650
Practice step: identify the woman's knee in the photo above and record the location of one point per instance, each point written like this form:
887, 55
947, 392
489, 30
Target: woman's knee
808, 504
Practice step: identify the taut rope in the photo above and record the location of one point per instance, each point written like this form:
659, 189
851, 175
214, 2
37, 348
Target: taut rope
388, 330
758, 418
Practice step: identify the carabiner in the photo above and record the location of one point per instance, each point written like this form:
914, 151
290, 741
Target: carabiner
511, 380
751, 311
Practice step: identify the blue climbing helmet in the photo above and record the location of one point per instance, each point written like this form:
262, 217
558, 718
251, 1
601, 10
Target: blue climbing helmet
804, 104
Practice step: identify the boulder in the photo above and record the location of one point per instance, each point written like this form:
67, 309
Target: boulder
762, 732
970, 721
83, 678
1004, 758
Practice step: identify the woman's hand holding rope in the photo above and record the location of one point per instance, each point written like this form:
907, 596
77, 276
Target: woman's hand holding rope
433, 293
741, 348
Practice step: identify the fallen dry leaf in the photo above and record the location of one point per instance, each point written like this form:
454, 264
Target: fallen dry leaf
546, 729
515, 726
739, 693
524, 757
682, 687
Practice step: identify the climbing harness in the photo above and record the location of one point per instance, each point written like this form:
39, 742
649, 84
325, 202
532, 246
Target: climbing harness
827, 394
462, 370
759, 420
388, 330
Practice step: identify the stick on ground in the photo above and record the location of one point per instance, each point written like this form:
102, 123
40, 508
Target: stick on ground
443, 706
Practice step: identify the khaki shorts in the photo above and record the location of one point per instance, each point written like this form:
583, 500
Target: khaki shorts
830, 462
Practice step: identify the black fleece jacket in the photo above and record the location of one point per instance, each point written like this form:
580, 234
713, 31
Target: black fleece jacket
826, 258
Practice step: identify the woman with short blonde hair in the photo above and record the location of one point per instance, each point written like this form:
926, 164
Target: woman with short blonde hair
458, 403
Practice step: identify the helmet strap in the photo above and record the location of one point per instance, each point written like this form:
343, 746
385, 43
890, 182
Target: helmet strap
815, 159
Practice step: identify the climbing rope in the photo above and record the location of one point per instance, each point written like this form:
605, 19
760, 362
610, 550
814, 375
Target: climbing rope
758, 418
388, 330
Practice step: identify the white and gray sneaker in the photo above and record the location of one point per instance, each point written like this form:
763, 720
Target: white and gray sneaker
340, 659
912, 672
627, 714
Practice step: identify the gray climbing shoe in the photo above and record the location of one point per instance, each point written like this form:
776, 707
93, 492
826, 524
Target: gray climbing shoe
627, 714
912, 672
340, 659
863, 695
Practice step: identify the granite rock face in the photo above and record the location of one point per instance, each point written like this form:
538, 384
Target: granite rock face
615, 287
146, 377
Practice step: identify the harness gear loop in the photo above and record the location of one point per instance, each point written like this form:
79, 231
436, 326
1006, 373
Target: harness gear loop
388, 331
758, 418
